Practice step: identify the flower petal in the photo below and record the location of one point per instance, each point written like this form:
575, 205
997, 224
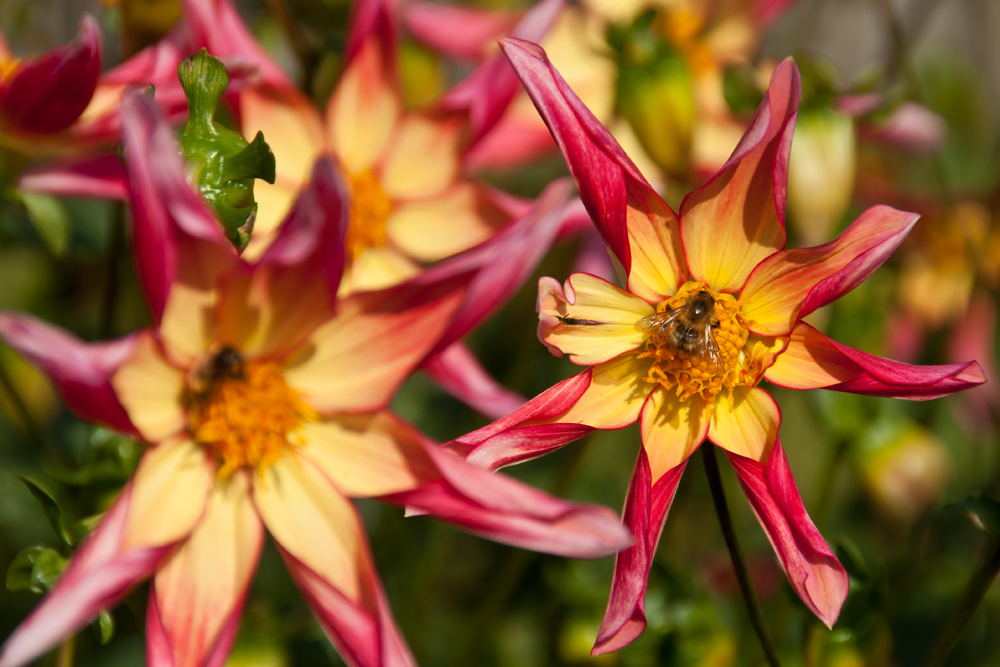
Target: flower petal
168, 217
457, 31
458, 372
197, 594
503, 509
615, 396
102, 176
151, 390
362, 112
589, 318
120, 552
81, 372
747, 426
812, 569
421, 159
812, 361
790, 284
357, 360
47, 94
640, 229
485, 94
737, 219
443, 225
322, 542
671, 430
646, 509
367, 455
514, 439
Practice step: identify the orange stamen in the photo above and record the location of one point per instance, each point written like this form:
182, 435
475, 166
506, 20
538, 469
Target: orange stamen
247, 420
370, 208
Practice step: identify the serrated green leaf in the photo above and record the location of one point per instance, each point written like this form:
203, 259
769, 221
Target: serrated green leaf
985, 515
105, 626
50, 220
53, 512
35, 569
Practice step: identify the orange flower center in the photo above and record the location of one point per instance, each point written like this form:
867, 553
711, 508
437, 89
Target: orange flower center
696, 340
370, 208
8, 67
244, 412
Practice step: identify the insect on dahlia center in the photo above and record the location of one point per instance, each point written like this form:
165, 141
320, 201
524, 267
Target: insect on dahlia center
696, 340
243, 411
370, 208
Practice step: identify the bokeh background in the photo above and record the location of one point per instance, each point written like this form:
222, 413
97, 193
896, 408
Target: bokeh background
879, 477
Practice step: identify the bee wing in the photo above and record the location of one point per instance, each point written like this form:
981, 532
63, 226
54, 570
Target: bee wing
710, 348
658, 323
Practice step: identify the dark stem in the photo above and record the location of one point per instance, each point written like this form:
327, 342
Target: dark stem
111, 278
739, 566
974, 593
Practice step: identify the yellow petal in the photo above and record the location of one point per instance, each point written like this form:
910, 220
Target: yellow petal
273, 204
291, 126
615, 396
169, 491
377, 268
654, 242
150, 390
310, 519
432, 229
422, 157
671, 429
748, 427
600, 323
810, 361
197, 590
367, 455
363, 110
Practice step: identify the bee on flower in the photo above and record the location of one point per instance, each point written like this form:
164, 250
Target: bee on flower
711, 306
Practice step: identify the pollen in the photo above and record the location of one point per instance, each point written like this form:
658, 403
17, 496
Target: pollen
245, 413
698, 352
370, 208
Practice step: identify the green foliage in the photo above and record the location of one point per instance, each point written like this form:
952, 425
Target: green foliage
35, 569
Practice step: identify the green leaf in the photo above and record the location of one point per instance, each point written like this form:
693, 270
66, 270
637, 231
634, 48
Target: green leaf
254, 161
850, 557
105, 626
35, 569
985, 514
52, 509
50, 220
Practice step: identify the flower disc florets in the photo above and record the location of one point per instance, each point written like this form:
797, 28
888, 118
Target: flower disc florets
370, 208
243, 411
696, 339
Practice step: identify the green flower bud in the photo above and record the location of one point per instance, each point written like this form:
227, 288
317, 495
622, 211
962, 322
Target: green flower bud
220, 162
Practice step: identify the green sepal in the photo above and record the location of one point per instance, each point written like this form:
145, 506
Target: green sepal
53, 512
985, 514
35, 569
254, 161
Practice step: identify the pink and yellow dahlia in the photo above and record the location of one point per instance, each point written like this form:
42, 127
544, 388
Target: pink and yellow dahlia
263, 398
712, 306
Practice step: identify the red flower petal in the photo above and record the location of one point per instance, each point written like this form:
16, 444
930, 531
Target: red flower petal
48, 93
646, 509
81, 372
102, 177
811, 566
457, 371
456, 31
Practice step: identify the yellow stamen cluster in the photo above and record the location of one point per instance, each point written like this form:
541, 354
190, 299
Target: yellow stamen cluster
370, 208
707, 368
247, 419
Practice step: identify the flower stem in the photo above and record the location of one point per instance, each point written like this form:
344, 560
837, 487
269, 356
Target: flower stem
739, 566
974, 593
65, 652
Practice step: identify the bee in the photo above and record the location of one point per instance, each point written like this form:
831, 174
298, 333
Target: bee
221, 363
689, 327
